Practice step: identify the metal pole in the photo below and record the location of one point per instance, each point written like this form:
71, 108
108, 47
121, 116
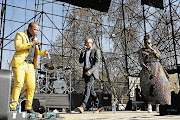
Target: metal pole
125, 42
173, 36
144, 21
42, 30
2, 39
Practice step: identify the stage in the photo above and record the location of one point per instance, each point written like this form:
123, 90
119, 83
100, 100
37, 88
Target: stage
120, 115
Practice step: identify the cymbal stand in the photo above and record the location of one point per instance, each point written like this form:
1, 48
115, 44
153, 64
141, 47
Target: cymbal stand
42, 89
46, 84
39, 82
45, 89
70, 85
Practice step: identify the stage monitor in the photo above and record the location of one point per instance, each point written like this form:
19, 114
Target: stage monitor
154, 3
100, 5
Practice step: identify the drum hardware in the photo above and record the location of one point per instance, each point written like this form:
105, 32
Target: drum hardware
67, 68
53, 80
42, 72
55, 83
49, 66
69, 89
59, 86
43, 84
58, 67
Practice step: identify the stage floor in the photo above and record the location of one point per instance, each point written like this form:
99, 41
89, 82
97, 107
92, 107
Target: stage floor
120, 115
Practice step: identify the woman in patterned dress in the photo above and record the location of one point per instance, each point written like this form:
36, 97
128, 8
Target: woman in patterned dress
155, 85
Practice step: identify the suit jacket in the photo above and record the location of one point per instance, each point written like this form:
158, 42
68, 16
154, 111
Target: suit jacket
22, 46
94, 59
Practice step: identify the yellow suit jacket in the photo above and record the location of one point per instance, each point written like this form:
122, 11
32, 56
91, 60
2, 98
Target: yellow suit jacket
22, 46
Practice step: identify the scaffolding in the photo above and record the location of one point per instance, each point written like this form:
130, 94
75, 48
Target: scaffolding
118, 33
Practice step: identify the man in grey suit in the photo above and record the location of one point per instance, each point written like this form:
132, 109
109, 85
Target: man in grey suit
90, 56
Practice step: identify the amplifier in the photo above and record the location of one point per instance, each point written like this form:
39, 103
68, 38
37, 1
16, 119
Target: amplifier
5, 88
138, 105
169, 110
105, 99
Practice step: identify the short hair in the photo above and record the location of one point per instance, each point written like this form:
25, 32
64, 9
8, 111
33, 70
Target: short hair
32, 24
89, 38
146, 37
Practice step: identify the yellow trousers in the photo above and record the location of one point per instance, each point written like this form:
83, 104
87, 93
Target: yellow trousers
23, 73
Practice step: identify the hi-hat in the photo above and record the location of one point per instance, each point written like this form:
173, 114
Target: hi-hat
42, 72
49, 66
58, 67
53, 79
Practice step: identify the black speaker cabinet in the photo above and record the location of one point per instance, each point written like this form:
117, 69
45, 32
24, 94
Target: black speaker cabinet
76, 100
5, 88
105, 99
169, 110
138, 105
35, 105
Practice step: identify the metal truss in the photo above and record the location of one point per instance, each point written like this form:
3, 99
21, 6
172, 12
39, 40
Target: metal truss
118, 33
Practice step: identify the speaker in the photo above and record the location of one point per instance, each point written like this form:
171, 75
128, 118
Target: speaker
138, 105
36, 106
5, 88
175, 98
169, 110
172, 109
100, 5
154, 3
76, 99
105, 99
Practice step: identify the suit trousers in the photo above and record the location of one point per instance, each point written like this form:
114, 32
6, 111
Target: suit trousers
23, 73
89, 89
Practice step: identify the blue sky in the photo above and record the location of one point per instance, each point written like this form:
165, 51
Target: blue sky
23, 15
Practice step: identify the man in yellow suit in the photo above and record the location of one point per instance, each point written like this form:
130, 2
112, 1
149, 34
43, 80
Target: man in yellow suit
23, 64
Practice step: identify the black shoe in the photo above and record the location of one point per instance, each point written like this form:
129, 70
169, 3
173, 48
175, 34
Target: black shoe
31, 111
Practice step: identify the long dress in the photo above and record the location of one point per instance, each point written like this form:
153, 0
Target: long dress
155, 85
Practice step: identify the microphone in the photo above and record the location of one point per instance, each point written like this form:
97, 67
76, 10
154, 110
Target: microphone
113, 35
84, 48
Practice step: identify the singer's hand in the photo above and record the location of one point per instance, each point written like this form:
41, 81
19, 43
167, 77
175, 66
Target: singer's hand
84, 49
150, 47
47, 54
36, 42
149, 69
88, 73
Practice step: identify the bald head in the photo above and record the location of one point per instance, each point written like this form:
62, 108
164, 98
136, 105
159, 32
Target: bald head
33, 28
89, 42
32, 24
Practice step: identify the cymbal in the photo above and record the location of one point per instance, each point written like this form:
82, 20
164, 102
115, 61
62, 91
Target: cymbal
58, 67
49, 66
42, 72
53, 79
67, 68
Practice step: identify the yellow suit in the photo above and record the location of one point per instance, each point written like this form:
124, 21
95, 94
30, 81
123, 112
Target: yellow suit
23, 71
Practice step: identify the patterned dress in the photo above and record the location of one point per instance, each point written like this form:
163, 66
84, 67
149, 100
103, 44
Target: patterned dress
154, 84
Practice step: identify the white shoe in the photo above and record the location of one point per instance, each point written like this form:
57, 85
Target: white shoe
157, 108
149, 109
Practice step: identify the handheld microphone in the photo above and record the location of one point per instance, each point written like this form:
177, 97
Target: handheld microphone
84, 48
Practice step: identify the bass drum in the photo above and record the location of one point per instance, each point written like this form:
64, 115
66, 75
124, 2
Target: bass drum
59, 86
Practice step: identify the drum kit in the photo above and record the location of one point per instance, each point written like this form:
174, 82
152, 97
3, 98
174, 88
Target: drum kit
52, 80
